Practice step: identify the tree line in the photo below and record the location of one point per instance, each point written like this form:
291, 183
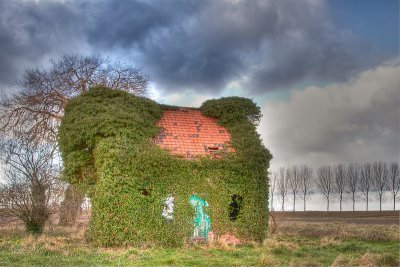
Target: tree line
335, 181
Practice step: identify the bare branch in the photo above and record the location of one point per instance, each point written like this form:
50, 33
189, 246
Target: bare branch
352, 180
325, 182
340, 182
283, 186
394, 181
305, 183
380, 179
293, 178
36, 110
273, 178
31, 190
366, 181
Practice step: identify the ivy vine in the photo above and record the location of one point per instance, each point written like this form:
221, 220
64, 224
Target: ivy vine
106, 140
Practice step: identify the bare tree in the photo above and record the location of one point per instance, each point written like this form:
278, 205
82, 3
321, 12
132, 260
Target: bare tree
352, 179
340, 182
380, 179
31, 190
282, 186
293, 178
35, 112
305, 183
37, 109
272, 185
394, 181
365, 184
325, 182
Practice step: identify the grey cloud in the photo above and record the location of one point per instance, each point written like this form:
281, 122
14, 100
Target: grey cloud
353, 121
32, 32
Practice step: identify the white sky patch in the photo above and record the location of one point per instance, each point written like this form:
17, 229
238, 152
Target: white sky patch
188, 98
154, 94
234, 88
357, 121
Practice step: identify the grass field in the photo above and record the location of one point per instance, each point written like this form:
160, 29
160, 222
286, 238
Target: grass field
288, 244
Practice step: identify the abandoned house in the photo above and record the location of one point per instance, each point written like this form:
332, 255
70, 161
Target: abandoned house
167, 175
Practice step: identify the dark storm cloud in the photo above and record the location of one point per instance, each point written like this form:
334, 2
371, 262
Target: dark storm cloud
206, 44
199, 45
31, 32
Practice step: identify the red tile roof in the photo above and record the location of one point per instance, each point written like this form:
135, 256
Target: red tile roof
188, 133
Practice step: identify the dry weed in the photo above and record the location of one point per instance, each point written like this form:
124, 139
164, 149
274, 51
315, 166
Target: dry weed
327, 241
273, 249
268, 260
222, 245
274, 243
342, 260
375, 259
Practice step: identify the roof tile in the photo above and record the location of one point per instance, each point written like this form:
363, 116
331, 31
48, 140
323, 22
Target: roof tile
189, 133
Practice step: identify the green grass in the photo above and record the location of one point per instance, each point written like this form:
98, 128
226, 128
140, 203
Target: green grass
291, 244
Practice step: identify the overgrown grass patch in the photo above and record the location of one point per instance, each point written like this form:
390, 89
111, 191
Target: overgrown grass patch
329, 244
67, 247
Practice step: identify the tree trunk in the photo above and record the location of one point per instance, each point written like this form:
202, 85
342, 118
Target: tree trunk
394, 202
380, 202
35, 221
327, 207
294, 202
367, 201
304, 203
70, 206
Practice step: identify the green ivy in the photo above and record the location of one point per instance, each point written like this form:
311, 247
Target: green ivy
107, 148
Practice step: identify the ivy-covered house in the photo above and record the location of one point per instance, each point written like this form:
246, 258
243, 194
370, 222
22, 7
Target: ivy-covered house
163, 175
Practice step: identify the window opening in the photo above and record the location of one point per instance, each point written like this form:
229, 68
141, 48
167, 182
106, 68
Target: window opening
146, 189
168, 209
235, 206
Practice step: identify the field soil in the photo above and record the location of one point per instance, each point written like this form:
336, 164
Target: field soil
356, 217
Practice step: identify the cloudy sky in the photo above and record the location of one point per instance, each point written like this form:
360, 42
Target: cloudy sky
326, 73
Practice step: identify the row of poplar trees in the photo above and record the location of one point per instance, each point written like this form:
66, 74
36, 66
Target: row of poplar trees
336, 181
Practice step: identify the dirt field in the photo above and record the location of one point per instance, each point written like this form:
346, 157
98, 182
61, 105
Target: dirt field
357, 217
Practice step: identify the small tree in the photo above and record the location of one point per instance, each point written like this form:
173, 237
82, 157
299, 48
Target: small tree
366, 181
293, 178
282, 186
31, 191
394, 181
305, 183
340, 182
352, 178
380, 179
325, 182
